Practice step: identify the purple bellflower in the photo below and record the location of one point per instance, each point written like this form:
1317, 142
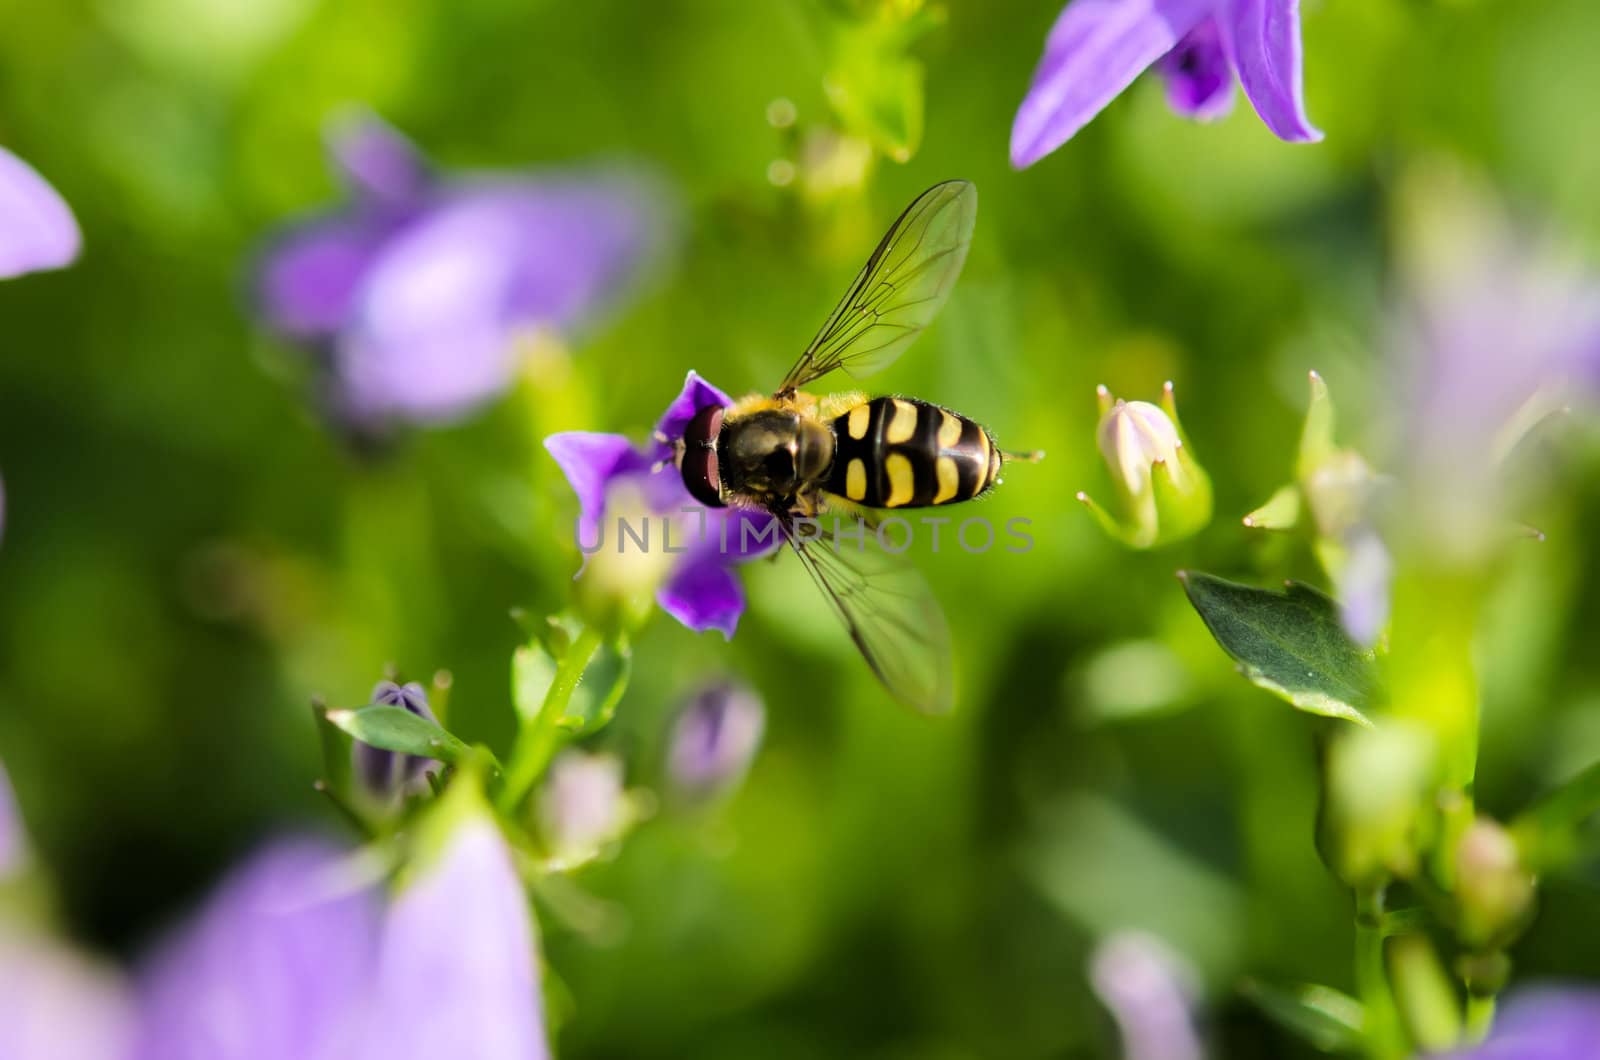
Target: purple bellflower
37, 230
1151, 994
420, 291
298, 955
386, 774
1542, 1023
714, 739
697, 587
276, 964
1098, 47
57, 1004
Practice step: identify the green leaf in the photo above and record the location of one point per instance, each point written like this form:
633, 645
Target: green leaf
533, 671
1316, 437
335, 751
594, 701
397, 729
1281, 512
1326, 1019
1289, 643
874, 86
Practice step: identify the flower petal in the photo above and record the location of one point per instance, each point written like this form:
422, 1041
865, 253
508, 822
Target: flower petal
714, 738
275, 965
457, 975
695, 395
307, 278
58, 1005
377, 160
1263, 36
37, 229
1549, 1022
703, 594
1198, 74
591, 460
1363, 586
436, 325
1095, 50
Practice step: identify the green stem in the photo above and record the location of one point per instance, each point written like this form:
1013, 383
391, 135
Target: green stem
1480, 1015
1385, 1040
537, 742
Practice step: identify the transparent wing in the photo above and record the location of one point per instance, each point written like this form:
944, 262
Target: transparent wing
886, 607
898, 291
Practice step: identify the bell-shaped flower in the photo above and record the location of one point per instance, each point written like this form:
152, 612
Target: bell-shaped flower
278, 963
1098, 47
1151, 993
37, 229
1163, 493
713, 740
1546, 1022
1499, 329
421, 294
584, 807
627, 491
386, 775
57, 1004
458, 956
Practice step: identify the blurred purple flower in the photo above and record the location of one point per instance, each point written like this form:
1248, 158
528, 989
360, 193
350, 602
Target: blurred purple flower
1098, 47
56, 1004
1543, 1023
1150, 993
37, 229
584, 806
297, 956
387, 774
1501, 328
458, 972
277, 964
419, 289
701, 590
714, 739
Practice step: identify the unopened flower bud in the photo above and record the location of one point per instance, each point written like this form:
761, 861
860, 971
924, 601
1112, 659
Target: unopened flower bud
583, 807
1164, 493
1494, 890
714, 739
388, 774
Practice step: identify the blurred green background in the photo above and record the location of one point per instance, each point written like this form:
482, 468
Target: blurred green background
189, 555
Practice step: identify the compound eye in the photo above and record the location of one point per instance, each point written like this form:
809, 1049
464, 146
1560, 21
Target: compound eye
703, 428
701, 475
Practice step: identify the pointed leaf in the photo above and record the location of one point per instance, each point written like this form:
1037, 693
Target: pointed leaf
1281, 512
1316, 437
1289, 643
397, 729
595, 699
533, 671
1326, 1019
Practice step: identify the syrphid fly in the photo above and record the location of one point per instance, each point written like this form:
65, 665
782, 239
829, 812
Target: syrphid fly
796, 455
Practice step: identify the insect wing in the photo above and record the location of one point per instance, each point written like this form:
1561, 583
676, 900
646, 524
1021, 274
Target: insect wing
899, 290
886, 607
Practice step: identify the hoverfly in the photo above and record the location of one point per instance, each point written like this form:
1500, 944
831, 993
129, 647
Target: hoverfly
795, 455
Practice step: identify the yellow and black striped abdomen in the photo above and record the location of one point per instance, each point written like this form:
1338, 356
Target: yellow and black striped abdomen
904, 453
